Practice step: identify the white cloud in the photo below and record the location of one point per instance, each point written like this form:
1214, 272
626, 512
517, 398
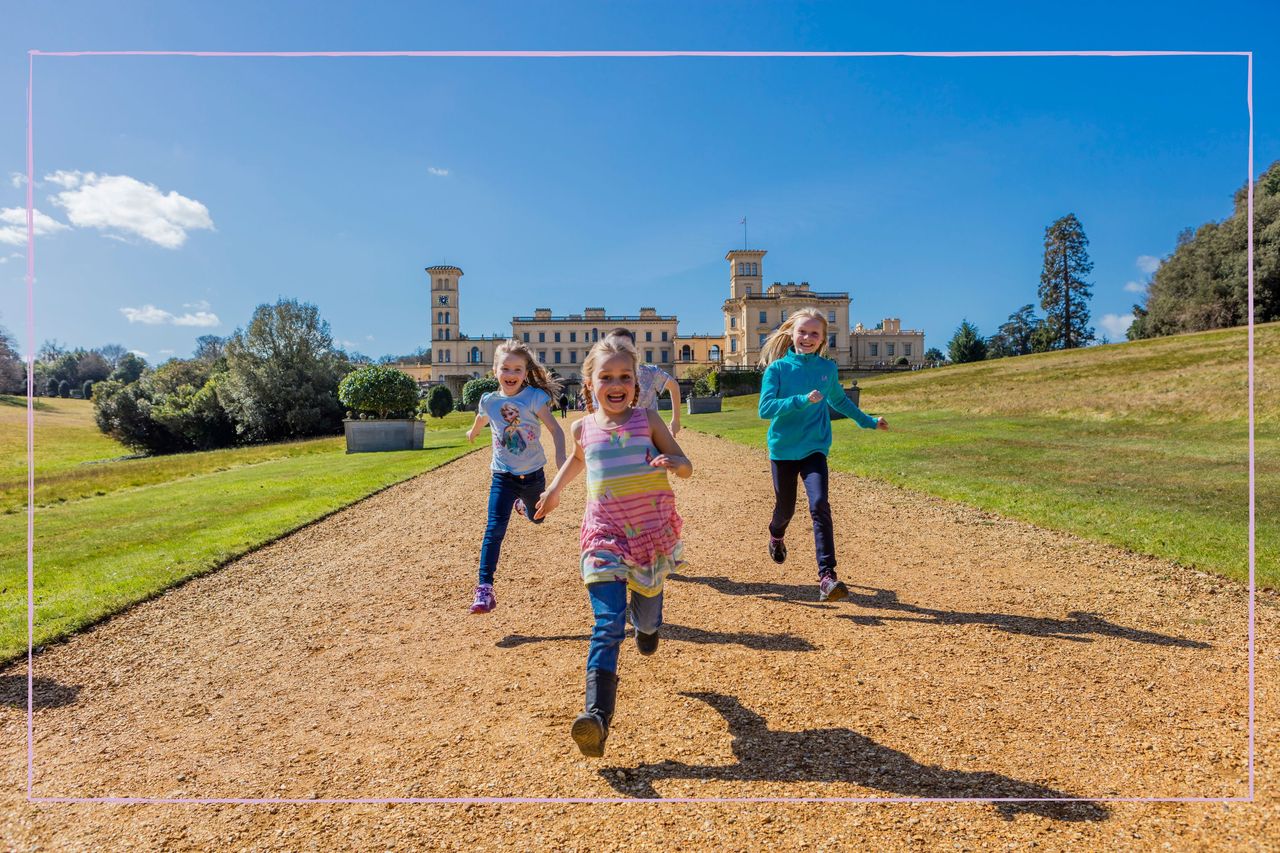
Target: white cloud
13, 225
1147, 264
202, 305
139, 353
1115, 325
123, 204
439, 173
1135, 287
150, 315
17, 179
11, 256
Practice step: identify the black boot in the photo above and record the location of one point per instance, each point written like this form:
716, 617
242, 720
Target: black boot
591, 728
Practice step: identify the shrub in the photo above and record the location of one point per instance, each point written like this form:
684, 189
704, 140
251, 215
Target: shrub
475, 389
734, 383
86, 390
51, 387
902, 361
64, 389
377, 389
439, 401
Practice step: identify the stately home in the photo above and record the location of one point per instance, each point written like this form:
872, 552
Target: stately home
750, 312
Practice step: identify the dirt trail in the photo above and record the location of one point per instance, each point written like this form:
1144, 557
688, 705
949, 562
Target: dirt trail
978, 657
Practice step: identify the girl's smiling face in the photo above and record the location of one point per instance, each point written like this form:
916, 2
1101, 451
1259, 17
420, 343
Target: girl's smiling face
806, 337
614, 383
511, 373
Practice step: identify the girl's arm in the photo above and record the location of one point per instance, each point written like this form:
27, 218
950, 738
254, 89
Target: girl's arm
771, 404
478, 424
838, 400
673, 387
557, 434
670, 456
550, 499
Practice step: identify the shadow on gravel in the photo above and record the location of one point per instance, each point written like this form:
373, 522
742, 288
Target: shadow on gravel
1075, 627
792, 593
46, 693
679, 633
843, 755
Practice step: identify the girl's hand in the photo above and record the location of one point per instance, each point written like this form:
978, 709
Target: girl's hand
560, 457
881, 423
547, 502
471, 435
671, 463
815, 396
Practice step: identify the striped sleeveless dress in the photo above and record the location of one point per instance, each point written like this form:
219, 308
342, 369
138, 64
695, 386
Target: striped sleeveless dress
630, 531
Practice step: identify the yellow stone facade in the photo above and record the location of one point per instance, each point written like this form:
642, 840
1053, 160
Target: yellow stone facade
750, 313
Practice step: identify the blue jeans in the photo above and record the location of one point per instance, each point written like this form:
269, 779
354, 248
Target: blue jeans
609, 603
503, 492
813, 471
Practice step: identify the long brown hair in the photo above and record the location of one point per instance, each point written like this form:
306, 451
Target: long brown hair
601, 351
535, 374
776, 345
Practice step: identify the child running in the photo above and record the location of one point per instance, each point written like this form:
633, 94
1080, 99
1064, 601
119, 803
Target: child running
523, 398
630, 531
797, 380
653, 380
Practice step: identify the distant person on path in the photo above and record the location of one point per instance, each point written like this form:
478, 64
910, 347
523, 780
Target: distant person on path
797, 381
653, 381
564, 406
513, 412
630, 533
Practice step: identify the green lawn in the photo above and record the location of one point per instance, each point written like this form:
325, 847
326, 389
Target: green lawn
130, 528
1142, 445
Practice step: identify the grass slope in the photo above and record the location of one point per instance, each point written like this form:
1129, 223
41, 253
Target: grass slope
1143, 444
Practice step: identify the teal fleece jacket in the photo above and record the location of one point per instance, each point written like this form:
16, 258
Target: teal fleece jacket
797, 427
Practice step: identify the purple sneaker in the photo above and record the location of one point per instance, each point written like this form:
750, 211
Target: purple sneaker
777, 550
518, 507
484, 601
831, 589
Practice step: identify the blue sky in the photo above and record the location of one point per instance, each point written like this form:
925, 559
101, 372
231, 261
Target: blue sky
182, 192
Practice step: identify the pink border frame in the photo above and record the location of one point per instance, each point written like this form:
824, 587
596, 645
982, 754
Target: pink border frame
30, 329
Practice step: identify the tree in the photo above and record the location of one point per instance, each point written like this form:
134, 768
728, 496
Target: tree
439, 401
86, 390
380, 390
1064, 292
209, 348
51, 387
475, 389
64, 389
13, 373
966, 344
282, 374
112, 353
1020, 329
128, 369
934, 355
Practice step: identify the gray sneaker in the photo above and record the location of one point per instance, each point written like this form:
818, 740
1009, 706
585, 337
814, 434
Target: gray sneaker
831, 589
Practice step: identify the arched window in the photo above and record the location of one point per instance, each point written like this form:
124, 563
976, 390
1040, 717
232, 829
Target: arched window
686, 353
446, 317
595, 335
475, 355
755, 269
446, 334
439, 316
715, 352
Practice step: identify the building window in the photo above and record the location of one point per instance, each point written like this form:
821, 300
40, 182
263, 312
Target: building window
686, 354
831, 341
733, 344
573, 356
906, 349
542, 356
447, 318
557, 337
542, 337
448, 356
764, 317
733, 322
526, 337
573, 337
475, 355
439, 316
648, 356
557, 355
831, 316
755, 269
664, 336
742, 268
715, 352
762, 338
595, 335
666, 356
888, 349
782, 316
875, 349
748, 290
446, 334
648, 337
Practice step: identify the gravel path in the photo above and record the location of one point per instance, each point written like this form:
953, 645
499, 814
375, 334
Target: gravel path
977, 657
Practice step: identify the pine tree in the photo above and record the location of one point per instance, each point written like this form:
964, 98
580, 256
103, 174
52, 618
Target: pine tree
966, 344
1064, 293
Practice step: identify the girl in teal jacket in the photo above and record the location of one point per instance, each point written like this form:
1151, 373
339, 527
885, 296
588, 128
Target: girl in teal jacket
797, 381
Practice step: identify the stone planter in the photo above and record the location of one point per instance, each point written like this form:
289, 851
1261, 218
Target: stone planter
664, 404
853, 395
702, 405
389, 434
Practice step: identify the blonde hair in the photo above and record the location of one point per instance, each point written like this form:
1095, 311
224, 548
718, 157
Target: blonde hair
776, 345
535, 374
600, 352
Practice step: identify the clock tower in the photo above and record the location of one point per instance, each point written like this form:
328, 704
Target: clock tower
445, 310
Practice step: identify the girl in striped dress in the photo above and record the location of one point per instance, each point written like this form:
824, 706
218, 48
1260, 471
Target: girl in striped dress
630, 531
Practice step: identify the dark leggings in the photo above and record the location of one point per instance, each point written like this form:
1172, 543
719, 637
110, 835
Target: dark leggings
813, 470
